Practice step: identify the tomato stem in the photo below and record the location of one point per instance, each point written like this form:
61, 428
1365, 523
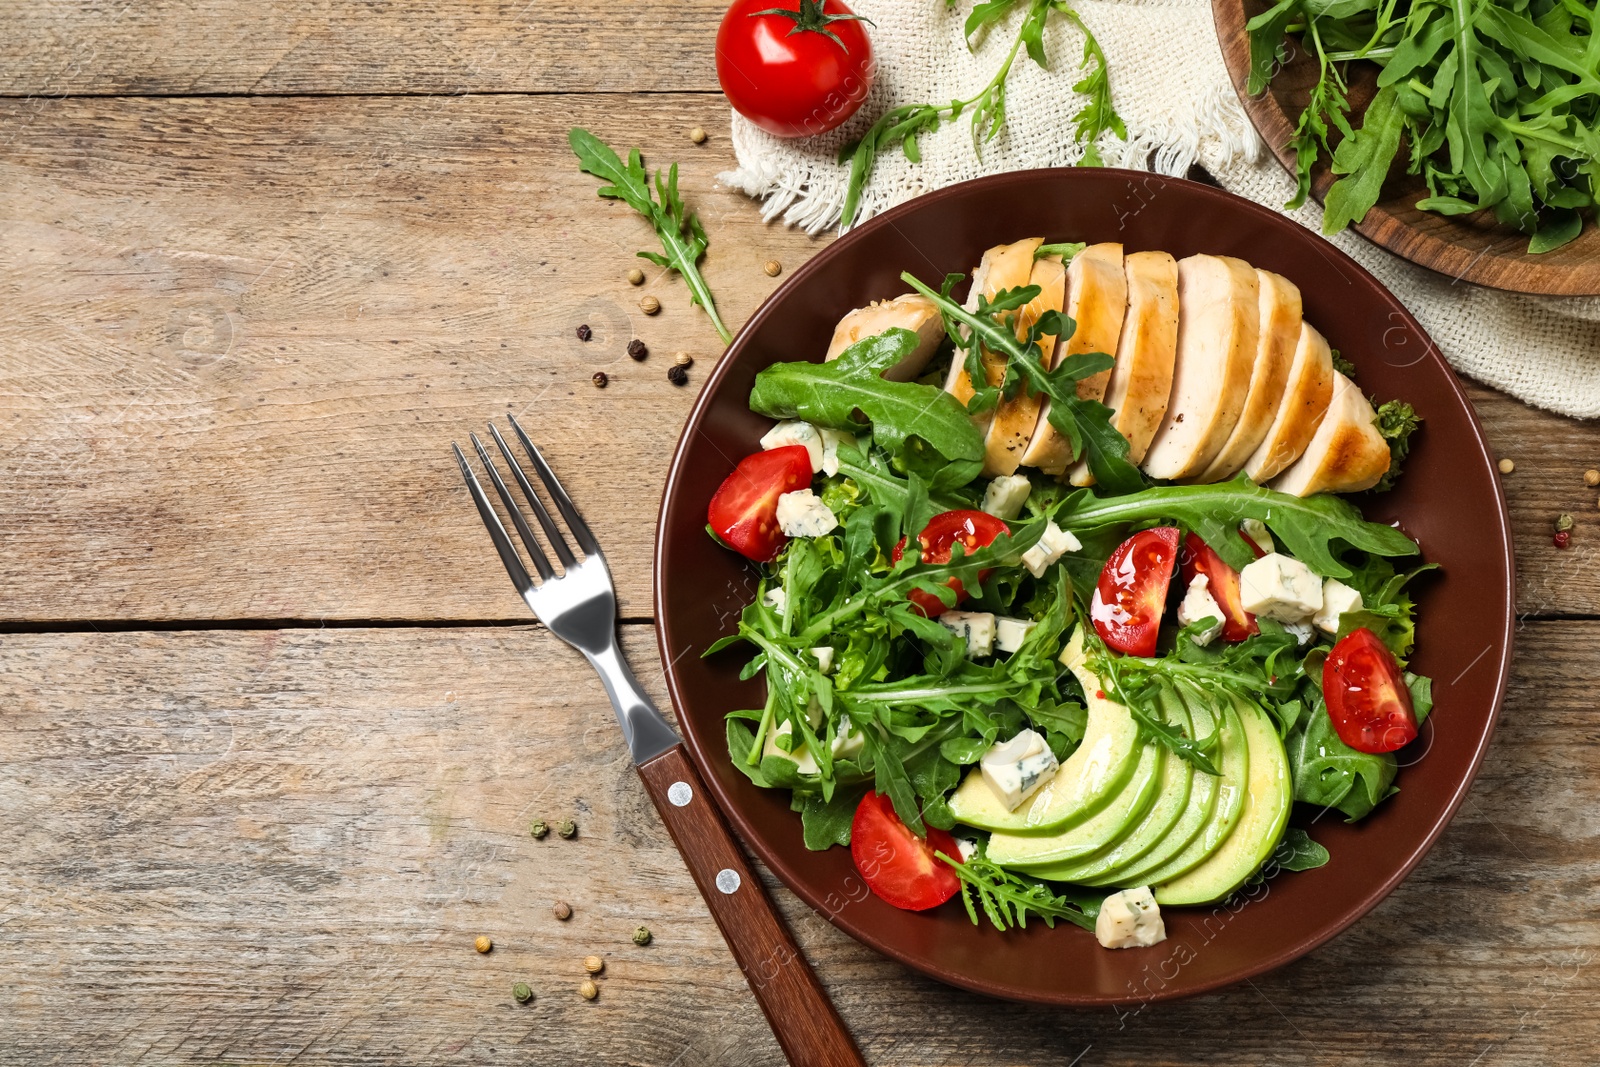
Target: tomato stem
810, 18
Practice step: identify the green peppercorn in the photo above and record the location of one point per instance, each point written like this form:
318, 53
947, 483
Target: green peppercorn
568, 829
641, 936
1564, 521
538, 828
522, 992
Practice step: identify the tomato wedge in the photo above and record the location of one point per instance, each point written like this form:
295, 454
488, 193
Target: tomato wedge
974, 529
744, 509
1367, 696
899, 866
1132, 594
1222, 582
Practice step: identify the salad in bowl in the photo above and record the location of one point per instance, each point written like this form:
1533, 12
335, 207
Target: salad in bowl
1061, 605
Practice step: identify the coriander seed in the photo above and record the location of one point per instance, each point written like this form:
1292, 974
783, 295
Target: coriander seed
677, 374
568, 829
1591, 478
697, 135
636, 276
682, 359
562, 910
584, 333
637, 350
1506, 466
600, 380
649, 305
641, 936
594, 964
483, 944
538, 828
588, 990
773, 268
522, 993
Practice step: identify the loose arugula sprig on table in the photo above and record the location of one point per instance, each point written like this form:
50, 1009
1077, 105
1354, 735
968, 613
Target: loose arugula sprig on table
1498, 104
903, 125
683, 239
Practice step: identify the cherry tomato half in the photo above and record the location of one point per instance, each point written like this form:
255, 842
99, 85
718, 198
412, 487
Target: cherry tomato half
800, 71
744, 510
899, 866
1222, 582
1367, 696
1132, 594
974, 529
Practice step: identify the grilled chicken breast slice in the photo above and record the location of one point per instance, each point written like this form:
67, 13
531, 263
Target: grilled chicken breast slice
1278, 334
1002, 267
1346, 455
1306, 396
913, 312
1097, 300
1218, 330
1141, 380
1015, 419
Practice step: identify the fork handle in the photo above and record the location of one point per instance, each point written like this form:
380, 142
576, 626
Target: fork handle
794, 1002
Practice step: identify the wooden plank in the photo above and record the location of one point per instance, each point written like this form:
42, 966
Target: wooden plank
345, 46
241, 335
253, 847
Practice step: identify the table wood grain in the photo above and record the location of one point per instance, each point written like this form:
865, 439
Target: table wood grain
274, 726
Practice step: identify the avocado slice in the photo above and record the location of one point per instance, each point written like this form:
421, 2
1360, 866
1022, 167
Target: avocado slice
1089, 779
1234, 762
1266, 813
1196, 814
1172, 802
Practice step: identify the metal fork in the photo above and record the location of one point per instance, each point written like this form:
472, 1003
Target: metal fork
579, 605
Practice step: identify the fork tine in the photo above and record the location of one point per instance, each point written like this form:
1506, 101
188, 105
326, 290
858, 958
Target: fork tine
575, 523
551, 530
491, 522
539, 560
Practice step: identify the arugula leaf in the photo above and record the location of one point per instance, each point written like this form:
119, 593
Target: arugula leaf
825, 823
683, 239
1396, 421
1306, 526
1364, 160
831, 394
1067, 250
1330, 774
1295, 852
1008, 898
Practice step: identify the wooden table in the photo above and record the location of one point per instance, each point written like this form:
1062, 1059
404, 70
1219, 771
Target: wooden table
274, 726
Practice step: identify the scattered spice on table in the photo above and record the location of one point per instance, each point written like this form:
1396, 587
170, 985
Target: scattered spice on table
677, 374
588, 990
1507, 466
568, 829
584, 333
649, 305
599, 381
1591, 478
637, 350
522, 993
562, 910
483, 944
773, 268
642, 936
538, 828
636, 276
1564, 523
682, 359
697, 134
594, 964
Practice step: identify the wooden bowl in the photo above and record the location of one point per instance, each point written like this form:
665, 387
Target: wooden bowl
1449, 499
1473, 248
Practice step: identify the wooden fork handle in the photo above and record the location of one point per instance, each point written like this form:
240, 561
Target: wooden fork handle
794, 1002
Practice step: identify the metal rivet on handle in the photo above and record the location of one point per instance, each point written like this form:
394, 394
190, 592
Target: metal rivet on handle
680, 794
728, 880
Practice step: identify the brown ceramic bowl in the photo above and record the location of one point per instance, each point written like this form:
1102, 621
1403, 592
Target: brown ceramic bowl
1449, 500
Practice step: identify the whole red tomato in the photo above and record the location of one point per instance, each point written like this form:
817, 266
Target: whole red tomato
794, 72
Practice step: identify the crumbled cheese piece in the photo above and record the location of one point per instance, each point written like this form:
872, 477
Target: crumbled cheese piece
776, 599
804, 761
824, 656
976, 626
1130, 919
1198, 603
1302, 631
1256, 531
1009, 633
1337, 598
1052, 545
1006, 495
1281, 588
803, 514
795, 432
967, 846
1016, 769
849, 742
831, 440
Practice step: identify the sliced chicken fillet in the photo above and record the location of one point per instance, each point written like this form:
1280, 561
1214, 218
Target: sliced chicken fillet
913, 312
1218, 328
1347, 453
1305, 399
1015, 419
1002, 267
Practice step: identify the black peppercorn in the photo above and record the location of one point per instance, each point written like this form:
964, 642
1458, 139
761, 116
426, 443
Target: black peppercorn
637, 349
599, 379
584, 333
678, 374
